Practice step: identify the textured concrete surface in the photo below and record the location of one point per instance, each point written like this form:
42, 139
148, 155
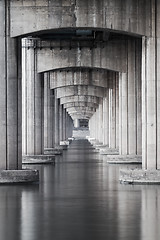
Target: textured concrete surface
38, 159
52, 151
140, 176
19, 176
123, 159
34, 15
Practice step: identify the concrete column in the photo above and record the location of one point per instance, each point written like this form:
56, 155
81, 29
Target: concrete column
69, 126
150, 104
76, 123
106, 118
64, 123
33, 104
60, 122
10, 95
56, 119
100, 122
48, 113
117, 108
130, 102
96, 127
113, 112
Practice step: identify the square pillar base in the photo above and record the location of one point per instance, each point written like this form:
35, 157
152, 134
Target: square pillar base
139, 176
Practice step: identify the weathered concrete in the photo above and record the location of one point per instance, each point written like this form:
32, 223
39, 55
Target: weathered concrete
56, 119
33, 105
52, 151
35, 15
123, 159
138, 176
130, 126
76, 123
113, 112
110, 56
19, 176
81, 116
80, 109
10, 95
48, 113
79, 76
82, 98
88, 40
80, 90
80, 104
39, 159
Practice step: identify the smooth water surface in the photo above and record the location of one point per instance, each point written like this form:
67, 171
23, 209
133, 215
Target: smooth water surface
79, 198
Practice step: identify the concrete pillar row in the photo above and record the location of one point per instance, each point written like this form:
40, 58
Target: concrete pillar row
48, 113
130, 129
33, 104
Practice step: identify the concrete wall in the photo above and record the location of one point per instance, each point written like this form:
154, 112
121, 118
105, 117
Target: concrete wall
132, 16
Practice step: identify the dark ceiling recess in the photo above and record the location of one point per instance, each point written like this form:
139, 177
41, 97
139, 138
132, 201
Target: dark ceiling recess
74, 35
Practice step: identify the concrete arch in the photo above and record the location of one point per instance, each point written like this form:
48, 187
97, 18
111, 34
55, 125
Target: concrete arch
75, 99
81, 115
80, 90
80, 76
80, 104
111, 55
81, 109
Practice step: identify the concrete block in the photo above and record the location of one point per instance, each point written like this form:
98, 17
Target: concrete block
52, 151
38, 159
124, 159
138, 176
19, 176
64, 143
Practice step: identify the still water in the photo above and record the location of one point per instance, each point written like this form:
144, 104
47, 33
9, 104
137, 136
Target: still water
79, 198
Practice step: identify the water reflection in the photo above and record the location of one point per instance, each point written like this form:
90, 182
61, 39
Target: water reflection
79, 198
150, 212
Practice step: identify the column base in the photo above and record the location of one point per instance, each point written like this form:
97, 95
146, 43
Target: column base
38, 159
52, 151
64, 144
124, 159
138, 176
109, 151
19, 176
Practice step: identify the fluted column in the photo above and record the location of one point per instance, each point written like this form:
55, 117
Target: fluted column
33, 104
